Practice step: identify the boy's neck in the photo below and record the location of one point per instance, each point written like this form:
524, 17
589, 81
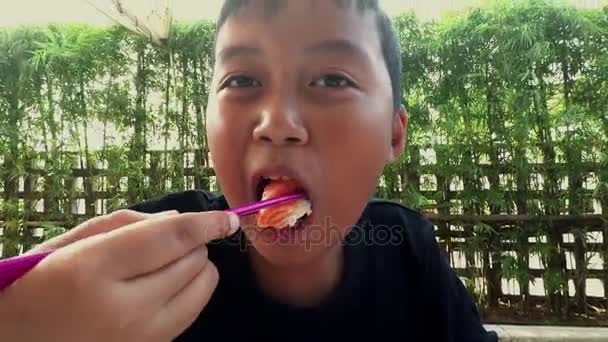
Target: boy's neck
302, 285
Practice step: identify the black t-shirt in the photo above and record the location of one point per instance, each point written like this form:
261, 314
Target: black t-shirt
396, 286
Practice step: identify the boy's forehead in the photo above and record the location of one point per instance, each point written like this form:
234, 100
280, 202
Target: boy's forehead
267, 9
304, 19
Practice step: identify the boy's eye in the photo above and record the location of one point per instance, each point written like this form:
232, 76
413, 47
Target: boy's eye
240, 82
333, 81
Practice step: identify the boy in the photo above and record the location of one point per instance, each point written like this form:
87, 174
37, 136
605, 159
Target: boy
311, 90
304, 89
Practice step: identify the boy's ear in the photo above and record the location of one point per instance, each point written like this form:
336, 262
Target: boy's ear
398, 134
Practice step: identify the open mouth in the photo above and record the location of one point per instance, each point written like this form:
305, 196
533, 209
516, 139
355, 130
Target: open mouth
289, 185
288, 215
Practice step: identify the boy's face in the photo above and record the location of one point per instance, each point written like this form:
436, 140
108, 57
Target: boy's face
303, 92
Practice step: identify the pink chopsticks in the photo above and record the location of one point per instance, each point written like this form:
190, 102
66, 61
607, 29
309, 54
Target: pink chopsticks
252, 208
12, 269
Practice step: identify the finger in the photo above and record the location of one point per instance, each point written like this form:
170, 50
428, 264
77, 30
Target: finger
184, 308
95, 226
147, 246
164, 284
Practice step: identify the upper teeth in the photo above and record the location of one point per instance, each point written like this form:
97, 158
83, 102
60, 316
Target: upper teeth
283, 178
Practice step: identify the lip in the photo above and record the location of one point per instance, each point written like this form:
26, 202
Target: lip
280, 171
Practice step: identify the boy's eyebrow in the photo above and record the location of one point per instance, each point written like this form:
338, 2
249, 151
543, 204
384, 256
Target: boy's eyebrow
339, 46
234, 51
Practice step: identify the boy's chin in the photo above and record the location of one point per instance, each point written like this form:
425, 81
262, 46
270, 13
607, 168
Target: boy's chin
289, 247
291, 256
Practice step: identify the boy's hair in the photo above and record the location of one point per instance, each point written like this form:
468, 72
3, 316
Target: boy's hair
388, 38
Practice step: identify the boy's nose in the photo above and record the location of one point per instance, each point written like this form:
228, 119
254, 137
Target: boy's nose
281, 127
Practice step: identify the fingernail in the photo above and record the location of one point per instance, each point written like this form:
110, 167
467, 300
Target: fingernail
234, 223
166, 213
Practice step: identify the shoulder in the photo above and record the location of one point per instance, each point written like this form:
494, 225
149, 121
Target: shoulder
185, 201
417, 232
383, 210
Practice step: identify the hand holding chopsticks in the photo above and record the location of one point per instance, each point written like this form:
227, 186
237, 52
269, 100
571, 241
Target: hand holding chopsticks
14, 268
149, 274
143, 273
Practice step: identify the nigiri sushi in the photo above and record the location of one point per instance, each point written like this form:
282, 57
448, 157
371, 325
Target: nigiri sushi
284, 215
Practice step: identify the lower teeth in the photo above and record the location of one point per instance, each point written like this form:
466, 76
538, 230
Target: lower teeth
298, 225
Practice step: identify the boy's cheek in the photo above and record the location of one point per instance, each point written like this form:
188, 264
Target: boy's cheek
227, 156
361, 138
215, 120
354, 162
356, 150
226, 127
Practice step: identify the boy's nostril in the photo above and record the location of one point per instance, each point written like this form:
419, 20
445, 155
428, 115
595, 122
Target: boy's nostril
289, 140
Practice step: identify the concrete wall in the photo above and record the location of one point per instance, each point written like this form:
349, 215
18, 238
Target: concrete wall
516, 333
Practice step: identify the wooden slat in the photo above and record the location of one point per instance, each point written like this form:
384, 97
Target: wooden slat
509, 227
508, 219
